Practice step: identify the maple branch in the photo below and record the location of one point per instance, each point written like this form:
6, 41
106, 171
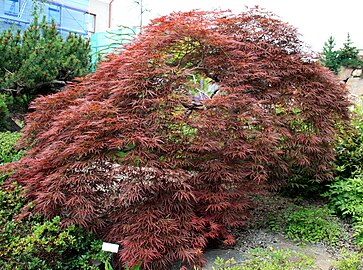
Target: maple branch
216, 90
213, 77
54, 85
194, 106
53, 82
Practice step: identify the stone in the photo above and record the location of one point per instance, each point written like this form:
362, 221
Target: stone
357, 73
355, 86
344, 73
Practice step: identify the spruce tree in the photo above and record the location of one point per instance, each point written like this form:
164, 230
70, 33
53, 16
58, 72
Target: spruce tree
348, 55
329, 57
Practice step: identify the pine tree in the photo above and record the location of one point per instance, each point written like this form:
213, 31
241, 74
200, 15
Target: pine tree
39, 61
329, 57
348, 55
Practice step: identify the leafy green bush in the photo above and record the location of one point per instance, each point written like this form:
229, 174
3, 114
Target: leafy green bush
349, 148
33, 242
225, 264
7, 151
36, 243
268, 259
349, 261
346, 198
4, 113
309, 224
345, 194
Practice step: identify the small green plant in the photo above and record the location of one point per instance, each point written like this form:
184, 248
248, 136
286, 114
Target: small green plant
276, 259
268, 259
225, 264
106, 261
7, 151
47, 243
349, 146
136, 267
34, 242
345, 194
349, 261
4, 112
309, 225
346, 198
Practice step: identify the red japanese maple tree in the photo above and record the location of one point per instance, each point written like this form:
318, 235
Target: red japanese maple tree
159, 148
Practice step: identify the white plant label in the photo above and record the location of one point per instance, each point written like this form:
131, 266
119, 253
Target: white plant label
110, 247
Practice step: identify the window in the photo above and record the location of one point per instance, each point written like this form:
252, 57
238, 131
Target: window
74, 19
12, 7
91, 22
54, 13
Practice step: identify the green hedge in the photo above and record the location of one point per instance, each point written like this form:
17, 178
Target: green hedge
345, 194
7, 151
33, 242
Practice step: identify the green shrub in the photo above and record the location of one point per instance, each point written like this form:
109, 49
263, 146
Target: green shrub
345, 194
4, 113
310, 224
7, 151
36, 243
349, 261
33, 242
349, 148
346, 198
225, 264
268, 259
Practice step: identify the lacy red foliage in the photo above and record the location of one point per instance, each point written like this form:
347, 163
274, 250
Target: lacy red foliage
130, 153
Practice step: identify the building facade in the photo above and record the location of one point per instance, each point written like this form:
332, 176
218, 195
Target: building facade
100, 9
68, 15
89, 18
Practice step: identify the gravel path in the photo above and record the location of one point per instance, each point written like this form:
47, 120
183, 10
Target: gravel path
256, 234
